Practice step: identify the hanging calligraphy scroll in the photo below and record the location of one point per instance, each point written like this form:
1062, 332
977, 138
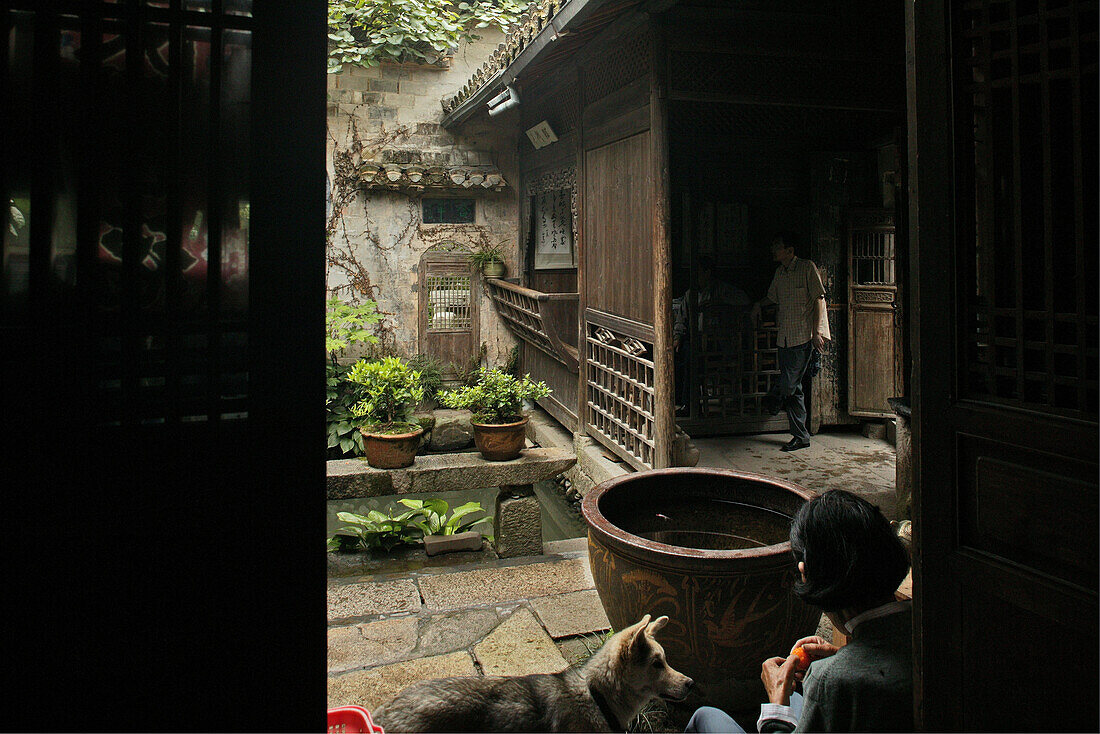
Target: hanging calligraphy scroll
554, 229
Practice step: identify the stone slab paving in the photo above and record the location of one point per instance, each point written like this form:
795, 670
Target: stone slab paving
346, 601
834, 460
376, 686
372, 643
568, 615
460, 589
519, 646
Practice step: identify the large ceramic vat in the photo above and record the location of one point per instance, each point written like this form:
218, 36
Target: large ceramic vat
709, 548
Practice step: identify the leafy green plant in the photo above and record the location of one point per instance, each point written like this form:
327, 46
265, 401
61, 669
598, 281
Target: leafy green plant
378, 530
436, 521
391, 391
345, 325
486, 254
431, 373
344, 438
497, 397
468, 373
366, 32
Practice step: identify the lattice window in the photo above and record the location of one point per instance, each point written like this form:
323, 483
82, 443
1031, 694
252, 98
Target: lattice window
620, 392
1030, 247
618, 66
448, 302
873, 257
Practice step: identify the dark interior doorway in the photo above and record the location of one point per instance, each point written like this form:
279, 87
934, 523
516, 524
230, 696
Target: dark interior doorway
740, 174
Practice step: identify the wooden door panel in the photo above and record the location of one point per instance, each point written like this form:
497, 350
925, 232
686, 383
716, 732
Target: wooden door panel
872, 364
449, 302
1027, 508
873, 353
1002, 639
618, 228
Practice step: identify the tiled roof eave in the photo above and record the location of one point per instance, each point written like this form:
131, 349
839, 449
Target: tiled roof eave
544, 20
415, 178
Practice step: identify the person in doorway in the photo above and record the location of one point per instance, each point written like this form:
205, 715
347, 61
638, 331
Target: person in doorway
803, 329
850, 562
707, 293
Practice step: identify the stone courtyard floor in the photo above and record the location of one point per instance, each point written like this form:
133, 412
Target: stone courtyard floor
394, 622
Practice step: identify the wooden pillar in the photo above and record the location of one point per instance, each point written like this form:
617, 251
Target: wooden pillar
663, 377
580, 245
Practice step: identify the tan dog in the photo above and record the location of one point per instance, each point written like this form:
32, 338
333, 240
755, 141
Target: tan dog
605, 694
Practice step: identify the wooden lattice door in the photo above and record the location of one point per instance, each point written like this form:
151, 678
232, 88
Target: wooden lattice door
873, 327
449, 316
1004, 253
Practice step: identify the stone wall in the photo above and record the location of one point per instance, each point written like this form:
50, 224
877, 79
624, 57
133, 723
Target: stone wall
391, 114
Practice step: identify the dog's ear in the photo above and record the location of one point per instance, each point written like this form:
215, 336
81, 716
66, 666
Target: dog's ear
638, 641
656, 625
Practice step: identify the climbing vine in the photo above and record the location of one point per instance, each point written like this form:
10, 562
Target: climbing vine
366, 32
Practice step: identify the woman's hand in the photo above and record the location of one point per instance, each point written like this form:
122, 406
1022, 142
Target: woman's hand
816, 647
778, 676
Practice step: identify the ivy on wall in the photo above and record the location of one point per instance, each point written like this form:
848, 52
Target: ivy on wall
366, 32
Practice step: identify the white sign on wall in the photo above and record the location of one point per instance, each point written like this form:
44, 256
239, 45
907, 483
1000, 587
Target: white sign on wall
541, 135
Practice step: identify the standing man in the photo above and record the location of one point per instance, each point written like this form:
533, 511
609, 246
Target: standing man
803, 328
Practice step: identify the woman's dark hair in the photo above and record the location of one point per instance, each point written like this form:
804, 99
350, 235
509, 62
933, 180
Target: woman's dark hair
852, 555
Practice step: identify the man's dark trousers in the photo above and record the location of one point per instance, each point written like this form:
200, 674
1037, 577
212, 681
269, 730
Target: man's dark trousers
787, 390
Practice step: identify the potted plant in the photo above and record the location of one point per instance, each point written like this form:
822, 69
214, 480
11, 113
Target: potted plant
496, 400
489, 259
391, 391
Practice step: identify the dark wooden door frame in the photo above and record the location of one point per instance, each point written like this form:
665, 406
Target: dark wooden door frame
948, 567
155, 604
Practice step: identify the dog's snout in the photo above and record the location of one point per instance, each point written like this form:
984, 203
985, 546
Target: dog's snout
688, 684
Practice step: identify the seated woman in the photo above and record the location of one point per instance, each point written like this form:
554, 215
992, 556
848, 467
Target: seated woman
851, 562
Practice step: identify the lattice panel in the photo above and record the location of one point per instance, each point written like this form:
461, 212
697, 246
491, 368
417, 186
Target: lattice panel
1030, 252
737, 366
618, 66
873, 257
522, 314
620, 392
560, 108
774, 78
742, 120
448, 302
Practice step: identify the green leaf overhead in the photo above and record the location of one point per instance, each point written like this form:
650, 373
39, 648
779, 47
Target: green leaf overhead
417, 31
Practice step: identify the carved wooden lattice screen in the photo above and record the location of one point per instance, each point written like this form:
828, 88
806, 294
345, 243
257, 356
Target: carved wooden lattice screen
1030, 293
520, 309
620, 402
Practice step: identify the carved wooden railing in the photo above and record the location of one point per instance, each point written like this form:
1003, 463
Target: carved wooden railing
547, 321
620, 386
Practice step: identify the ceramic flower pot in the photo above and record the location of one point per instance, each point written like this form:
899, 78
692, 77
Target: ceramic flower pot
495, 269
391, 450
500, 442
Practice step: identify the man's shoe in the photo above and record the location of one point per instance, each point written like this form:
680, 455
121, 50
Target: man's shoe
795, 444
